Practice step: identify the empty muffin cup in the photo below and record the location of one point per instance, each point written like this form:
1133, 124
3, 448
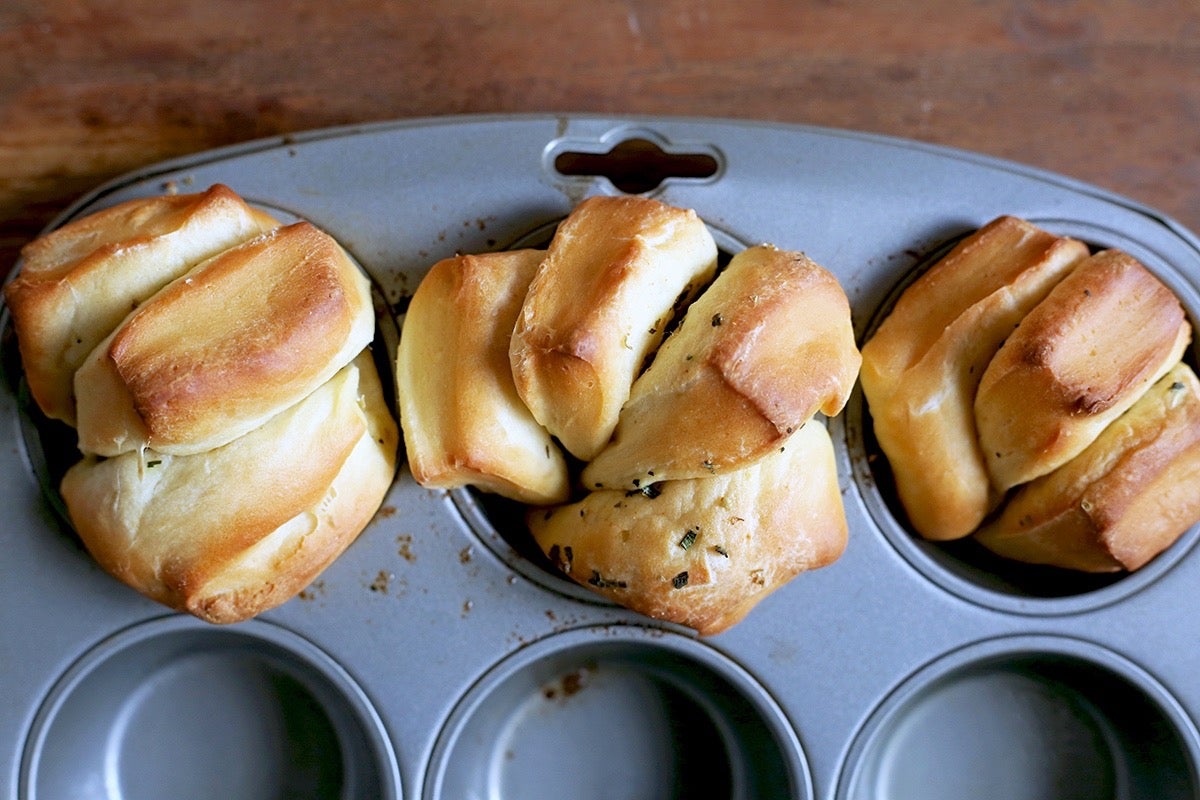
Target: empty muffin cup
617, 712
1025, 718
175, 708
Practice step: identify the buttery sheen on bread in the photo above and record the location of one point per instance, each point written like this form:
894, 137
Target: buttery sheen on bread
703, 552
1079, 360
764, 348
719, 484
922, 366
79, 281
1121, 501
228, 533
1061, 412
233, 430
220, 350
462, 419
615, 271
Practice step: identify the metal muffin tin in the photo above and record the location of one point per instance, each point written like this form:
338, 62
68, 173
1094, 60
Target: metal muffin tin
439, 659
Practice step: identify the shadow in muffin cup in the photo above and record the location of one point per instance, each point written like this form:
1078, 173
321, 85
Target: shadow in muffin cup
617, 712
178, 708
1023, 718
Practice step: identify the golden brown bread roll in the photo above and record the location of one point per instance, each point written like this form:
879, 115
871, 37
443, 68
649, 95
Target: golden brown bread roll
217, 352
231, 532
462, 419
615, 270
703, 552
1079, 359
716, 524
765, 347
1126, 497
230, 383
78, 282
922, 366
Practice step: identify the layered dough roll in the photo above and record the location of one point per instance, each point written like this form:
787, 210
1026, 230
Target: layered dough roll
463, 422
1078, 360
1125, 498
764, 348
78, 282
703, 552
922, 367
217, 352
229, 533
615, 271
720, 483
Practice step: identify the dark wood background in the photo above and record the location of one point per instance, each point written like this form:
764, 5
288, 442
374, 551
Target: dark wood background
1107, 92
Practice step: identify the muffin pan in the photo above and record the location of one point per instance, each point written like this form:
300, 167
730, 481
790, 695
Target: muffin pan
439, 658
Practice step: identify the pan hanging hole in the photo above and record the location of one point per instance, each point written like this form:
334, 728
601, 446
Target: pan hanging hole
636, 165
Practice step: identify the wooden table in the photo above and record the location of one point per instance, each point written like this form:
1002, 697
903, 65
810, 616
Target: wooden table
1107, 92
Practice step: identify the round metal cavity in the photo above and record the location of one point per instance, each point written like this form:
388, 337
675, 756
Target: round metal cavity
1026, 718
177, 708
617, 712
965, 568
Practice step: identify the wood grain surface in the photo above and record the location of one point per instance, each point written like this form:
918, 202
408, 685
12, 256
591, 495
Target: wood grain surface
1107, 92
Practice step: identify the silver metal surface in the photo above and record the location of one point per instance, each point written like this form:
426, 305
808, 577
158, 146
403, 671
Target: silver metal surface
446, 664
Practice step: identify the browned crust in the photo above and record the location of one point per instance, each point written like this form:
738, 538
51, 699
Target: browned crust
762, 350
463, 421
1123, 499
76, 283
921, 368
1078, 360
598, 306
219, 350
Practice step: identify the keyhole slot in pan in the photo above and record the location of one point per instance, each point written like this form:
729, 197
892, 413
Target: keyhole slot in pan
636, 165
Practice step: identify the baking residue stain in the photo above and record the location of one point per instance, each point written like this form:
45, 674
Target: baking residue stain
381, 582
312, 591
404, 547
569, 685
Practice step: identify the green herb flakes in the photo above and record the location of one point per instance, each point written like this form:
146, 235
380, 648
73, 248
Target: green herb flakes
562, 557
650, 490
600, 582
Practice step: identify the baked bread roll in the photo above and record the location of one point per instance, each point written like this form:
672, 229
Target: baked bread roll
763, 349
711, 526
78, 282
234, 430
615, 270
463, 422
1125, 498
703, 552
1079, 360
921, 368
219, 351
228, 533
